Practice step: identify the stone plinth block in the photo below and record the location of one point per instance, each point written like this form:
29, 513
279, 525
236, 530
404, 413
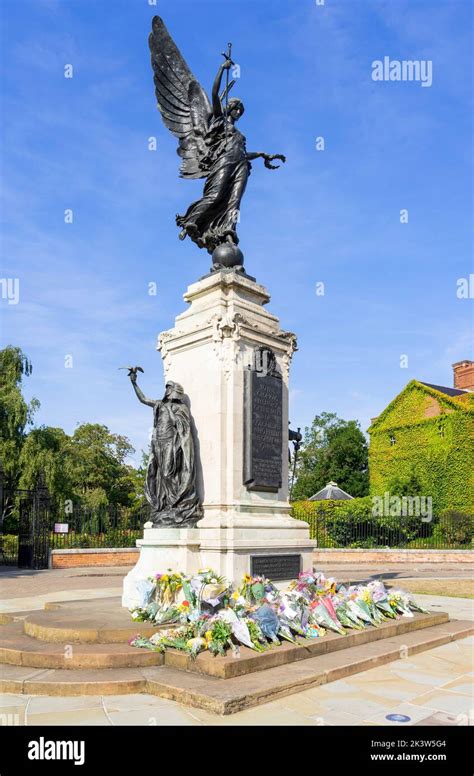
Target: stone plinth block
235, 546
161, 549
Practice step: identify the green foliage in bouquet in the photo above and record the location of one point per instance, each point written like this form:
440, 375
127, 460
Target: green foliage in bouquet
258, 639
220, 637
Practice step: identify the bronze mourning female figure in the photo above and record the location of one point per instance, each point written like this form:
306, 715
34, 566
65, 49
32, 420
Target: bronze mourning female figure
210, 146
170, 486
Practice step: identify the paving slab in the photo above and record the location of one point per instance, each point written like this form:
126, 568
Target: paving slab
462, 684
82, 717
34, 601
416, 714
45, 704
446, 700
153, 716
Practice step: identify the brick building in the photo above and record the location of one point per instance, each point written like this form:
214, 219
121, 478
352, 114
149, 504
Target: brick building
426, 436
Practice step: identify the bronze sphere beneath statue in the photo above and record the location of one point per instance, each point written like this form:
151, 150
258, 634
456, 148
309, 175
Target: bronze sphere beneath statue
227, 255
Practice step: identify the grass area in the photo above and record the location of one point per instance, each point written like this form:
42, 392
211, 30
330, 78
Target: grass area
454, 588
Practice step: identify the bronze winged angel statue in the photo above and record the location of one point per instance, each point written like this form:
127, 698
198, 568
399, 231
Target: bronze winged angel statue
210, 146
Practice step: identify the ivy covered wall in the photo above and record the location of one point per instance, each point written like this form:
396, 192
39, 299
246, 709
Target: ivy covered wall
426, 436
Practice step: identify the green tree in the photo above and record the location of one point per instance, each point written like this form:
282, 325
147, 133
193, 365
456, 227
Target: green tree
47, 451
88, 468
333, 449
98, 469
15, 412
137, 477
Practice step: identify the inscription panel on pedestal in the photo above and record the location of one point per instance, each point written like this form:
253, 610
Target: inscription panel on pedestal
275, 567
263, 430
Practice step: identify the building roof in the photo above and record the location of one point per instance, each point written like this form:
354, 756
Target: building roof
451, 398
331, 492
443, 389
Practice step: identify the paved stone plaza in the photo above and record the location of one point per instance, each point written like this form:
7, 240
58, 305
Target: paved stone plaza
432, 688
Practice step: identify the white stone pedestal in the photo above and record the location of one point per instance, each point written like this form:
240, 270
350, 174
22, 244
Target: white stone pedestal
211, 346
161, 549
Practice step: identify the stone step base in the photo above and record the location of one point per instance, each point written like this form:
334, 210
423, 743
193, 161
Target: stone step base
230, 695
62, 682
98, 621
94, 634
251, 661
16, 648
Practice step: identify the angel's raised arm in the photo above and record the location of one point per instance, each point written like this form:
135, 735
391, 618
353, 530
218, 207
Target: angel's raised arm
216, 100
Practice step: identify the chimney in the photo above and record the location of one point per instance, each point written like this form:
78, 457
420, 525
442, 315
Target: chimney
464, 375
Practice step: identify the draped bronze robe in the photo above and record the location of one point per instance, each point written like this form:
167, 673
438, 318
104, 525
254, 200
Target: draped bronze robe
170, 481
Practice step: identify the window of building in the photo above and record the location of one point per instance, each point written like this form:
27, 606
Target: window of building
392, 440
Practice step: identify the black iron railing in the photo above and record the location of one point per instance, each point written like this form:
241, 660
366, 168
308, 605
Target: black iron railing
450, 531
32, 524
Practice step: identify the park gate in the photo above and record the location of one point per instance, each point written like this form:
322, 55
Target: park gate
32, 510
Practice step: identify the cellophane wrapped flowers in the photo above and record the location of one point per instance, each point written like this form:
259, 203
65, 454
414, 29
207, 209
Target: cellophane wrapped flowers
203, 612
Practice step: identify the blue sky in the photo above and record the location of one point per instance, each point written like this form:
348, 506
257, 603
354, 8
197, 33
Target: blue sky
329, 216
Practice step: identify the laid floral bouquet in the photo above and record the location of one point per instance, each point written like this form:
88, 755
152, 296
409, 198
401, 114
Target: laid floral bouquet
203, 611
255, 589
162, 606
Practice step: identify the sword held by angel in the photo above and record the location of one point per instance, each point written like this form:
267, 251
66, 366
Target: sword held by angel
210, 147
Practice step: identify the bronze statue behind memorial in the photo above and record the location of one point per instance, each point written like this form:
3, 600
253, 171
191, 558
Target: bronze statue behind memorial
210, 146
170, 486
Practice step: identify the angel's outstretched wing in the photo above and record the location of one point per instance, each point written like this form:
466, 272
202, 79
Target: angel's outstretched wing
182, 101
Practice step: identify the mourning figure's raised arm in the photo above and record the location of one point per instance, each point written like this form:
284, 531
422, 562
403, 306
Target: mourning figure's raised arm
141, 396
